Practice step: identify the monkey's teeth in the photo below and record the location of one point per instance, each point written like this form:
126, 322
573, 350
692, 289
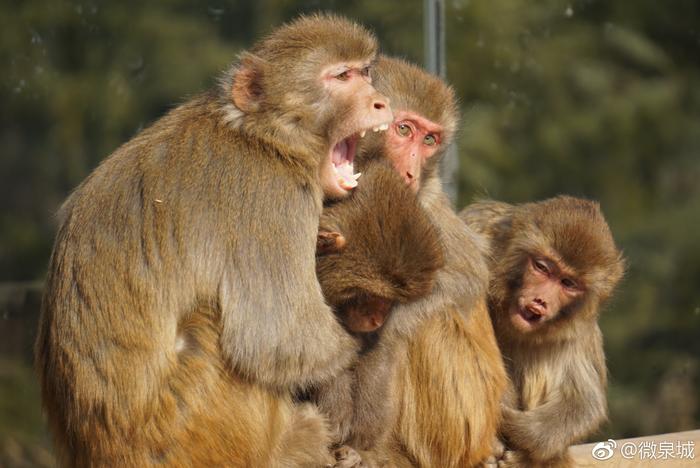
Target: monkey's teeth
362, 133
384, 127
375, 129
345, 177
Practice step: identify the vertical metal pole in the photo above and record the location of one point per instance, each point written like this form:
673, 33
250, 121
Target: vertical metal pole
434, 36
434, 54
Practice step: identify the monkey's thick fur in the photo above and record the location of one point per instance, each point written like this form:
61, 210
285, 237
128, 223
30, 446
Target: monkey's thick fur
393, 252
558, 373
450, 376
181, 306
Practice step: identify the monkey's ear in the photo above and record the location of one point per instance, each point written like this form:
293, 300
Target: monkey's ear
328, 242
247, 88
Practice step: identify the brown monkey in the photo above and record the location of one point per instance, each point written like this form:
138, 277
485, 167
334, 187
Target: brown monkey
553, 263
450, 379
392, 252
182, 306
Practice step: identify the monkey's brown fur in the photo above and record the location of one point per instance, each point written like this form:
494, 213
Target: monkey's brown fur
393, 252
181, 304
450, 385
392, 249
558, 372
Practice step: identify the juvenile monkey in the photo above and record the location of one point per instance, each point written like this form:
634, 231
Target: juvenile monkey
553, 263
391, 254
450, 378
182, 307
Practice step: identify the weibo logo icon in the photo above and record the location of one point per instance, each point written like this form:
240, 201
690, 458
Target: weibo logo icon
604, 450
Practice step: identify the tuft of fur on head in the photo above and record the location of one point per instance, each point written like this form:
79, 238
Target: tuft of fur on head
393, 250
567, 229
317, 39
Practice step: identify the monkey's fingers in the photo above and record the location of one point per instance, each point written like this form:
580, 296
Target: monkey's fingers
513, 459
347, 457
329, 242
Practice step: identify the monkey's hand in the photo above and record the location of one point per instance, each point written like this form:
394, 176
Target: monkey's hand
513, 459
498, 449
347, 457
328, 242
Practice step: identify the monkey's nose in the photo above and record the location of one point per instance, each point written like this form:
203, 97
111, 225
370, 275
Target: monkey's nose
379, 105
409, 175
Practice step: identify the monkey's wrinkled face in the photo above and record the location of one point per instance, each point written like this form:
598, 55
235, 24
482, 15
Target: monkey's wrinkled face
410, 142
547, 288
358, 108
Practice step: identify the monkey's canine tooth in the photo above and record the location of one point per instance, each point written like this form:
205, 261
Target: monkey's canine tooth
375, 129
384, 127
362, 133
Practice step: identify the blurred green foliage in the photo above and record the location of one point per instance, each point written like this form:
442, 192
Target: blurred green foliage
592, 98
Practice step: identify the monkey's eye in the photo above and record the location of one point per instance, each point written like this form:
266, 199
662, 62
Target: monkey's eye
568, 283
403, 129
430, 140
541, 266
344, 76
365, 71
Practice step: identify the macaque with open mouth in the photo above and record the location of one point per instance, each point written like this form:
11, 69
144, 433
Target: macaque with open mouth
553, 263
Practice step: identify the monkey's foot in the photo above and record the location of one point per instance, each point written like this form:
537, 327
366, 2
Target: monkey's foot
347, 457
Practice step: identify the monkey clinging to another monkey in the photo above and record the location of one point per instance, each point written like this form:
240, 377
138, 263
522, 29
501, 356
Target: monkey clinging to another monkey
390, 256
552, 265
449, 375
182, 307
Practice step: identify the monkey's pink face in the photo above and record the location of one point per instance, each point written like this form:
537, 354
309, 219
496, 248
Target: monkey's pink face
410, 142
546, 289
363, 109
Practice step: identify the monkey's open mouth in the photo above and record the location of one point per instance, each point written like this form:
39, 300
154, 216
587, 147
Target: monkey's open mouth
530, 315
343, 156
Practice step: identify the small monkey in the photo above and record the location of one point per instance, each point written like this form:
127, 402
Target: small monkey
450, 377
389, 255
182, 309
553, 263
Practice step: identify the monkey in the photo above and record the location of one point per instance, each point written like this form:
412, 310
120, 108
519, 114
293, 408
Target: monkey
553, 264
449, 375
389, 255
182, 311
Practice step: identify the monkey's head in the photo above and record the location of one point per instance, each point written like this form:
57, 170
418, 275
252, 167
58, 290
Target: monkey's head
383, 250
559, 262
307, 87
425, 120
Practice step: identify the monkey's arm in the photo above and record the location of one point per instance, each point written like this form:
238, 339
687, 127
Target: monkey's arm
569, 413
277, 328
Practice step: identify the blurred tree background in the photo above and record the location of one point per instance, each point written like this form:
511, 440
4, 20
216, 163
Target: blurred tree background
593, 98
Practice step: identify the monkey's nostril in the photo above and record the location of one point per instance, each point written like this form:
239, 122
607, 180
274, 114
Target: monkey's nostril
409, 175
379, 105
